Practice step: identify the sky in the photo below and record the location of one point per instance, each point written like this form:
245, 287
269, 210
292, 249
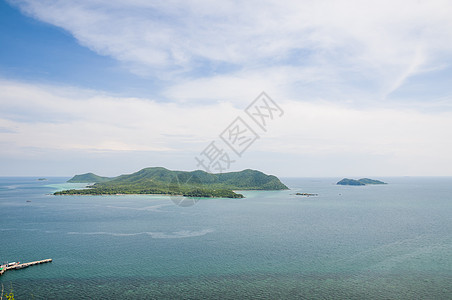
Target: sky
363, 87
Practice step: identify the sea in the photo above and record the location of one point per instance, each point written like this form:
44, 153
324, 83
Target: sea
390, 241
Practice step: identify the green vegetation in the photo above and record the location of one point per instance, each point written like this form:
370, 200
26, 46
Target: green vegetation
362, 181
371, 181
189, 184
347, 181
88, 178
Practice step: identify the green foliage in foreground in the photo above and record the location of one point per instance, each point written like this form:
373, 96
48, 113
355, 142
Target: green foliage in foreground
189, 184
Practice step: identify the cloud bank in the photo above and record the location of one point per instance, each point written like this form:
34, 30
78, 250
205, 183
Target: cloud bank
364, 86
65, 121
347, 49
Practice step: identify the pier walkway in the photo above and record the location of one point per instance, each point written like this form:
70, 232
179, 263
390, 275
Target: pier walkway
16, 266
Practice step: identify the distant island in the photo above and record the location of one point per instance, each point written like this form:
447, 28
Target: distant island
157, 180
362, 181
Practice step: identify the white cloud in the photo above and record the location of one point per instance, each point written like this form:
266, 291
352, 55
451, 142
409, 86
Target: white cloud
384, 42
325, 62
40, 119
61, 118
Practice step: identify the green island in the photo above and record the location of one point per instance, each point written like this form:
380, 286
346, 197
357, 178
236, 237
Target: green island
88, 177
158, 180
362, 181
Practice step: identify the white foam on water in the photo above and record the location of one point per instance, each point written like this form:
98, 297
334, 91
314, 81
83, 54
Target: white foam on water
12, 187
155, 235
153, 208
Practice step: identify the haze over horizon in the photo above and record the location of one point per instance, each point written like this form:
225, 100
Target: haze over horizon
111, 87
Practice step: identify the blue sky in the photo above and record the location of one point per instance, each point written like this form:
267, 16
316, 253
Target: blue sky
114, 86
40, 52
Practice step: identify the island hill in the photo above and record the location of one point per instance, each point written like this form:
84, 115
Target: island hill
189, 184
362, 181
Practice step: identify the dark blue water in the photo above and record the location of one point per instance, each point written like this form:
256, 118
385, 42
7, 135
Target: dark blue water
375, 242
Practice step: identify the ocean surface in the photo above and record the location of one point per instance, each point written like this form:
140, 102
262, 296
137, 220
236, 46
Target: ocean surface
373, 242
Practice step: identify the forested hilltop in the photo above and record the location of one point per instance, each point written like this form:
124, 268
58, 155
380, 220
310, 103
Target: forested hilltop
362, 181
88, 178
159, 180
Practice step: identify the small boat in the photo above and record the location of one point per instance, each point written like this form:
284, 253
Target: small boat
21, 267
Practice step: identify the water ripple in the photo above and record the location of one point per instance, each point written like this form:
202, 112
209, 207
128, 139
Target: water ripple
155, 235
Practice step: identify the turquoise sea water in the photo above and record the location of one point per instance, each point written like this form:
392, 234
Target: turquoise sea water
375, 242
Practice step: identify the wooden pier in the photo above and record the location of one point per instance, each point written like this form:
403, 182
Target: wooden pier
16, 266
